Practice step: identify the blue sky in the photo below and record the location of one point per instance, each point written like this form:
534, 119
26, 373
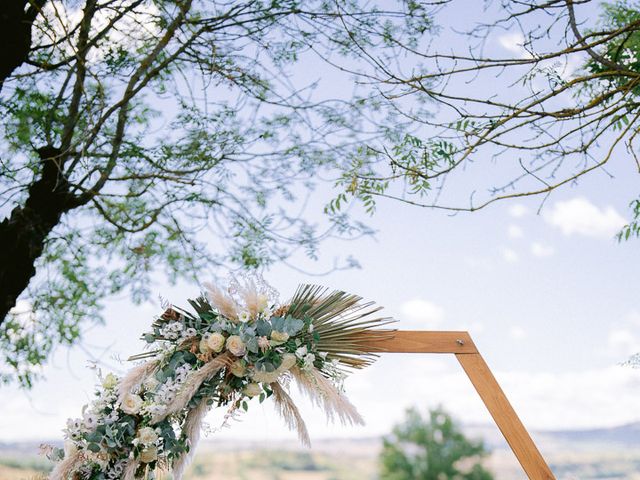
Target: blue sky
551, 300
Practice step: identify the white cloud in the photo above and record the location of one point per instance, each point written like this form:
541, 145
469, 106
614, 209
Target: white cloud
541, 250
510, 255
518, 210
517, 333
514, 231
514, 42
422, 313
622, 342
582, 217
543, 400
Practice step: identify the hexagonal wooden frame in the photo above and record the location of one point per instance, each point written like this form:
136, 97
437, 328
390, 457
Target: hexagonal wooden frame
461, 345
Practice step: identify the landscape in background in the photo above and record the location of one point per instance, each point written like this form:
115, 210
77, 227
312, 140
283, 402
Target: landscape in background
612, 453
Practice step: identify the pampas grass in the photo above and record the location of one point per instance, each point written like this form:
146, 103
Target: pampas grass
290, 413
324, 394
191, 386
191, 431
135, 378
130, 470
66, 466
222, 302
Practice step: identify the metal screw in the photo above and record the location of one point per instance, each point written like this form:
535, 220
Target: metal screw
460, 342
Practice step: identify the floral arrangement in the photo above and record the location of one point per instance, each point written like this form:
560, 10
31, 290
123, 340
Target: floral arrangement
238, 345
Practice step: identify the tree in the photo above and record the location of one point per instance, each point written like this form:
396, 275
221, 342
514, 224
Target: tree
561, 105
432, 448
150, 136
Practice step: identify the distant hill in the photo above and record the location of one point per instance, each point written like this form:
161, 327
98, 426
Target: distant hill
626, 435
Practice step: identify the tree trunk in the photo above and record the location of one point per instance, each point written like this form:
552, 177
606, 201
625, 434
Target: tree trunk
24, 233
15, 33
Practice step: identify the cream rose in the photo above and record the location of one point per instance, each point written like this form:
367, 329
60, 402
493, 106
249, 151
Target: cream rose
279, 336
147, 436
238, 368
252, 389
216, 342
131, 404
202, 346
149, 455
236, 346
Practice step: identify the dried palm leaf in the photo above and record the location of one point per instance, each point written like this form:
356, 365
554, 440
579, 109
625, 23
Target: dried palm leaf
346, 327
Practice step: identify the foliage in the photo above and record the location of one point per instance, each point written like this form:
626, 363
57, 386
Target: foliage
554, 99
431, 448
144, 138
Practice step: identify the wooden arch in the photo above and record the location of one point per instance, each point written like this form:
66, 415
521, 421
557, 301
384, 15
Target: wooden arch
461, 345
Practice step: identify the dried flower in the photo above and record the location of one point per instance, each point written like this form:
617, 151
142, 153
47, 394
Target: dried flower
263, 343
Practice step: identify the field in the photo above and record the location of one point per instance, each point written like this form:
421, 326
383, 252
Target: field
587, 455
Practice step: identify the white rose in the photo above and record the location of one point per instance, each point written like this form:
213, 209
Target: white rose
131, 404
279, 336
216, 342
149, 455
147, 436
252, 389
301, 351
236, 346
288, 361
238, 368
110, 381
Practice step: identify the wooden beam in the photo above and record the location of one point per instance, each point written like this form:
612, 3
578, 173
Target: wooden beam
420, 341
505, 416
461, 345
